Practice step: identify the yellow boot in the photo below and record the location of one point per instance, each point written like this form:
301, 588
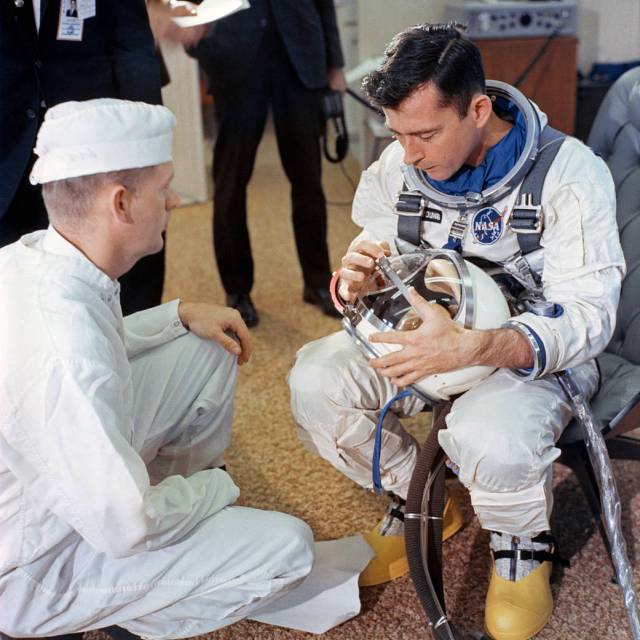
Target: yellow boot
390, 561
518, 609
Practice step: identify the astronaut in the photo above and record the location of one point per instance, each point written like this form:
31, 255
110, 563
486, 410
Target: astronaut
458, 176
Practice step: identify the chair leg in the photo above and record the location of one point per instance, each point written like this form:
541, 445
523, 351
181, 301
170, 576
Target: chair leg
575, 457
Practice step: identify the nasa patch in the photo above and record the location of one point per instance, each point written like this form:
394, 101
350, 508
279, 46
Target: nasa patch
487, 225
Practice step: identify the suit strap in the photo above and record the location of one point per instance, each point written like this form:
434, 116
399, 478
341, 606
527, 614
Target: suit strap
526, 219
412, 208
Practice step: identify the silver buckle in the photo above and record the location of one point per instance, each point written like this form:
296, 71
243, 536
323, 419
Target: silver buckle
458, 228
526, 204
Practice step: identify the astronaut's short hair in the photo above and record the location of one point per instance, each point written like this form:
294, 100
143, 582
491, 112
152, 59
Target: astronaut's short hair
438, 53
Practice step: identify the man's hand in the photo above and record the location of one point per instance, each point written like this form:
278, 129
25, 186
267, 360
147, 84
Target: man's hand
441, 344
213, 322
161, 20
336, 79
357, 265
434, 347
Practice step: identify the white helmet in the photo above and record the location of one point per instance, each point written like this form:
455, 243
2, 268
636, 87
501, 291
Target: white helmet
470, 295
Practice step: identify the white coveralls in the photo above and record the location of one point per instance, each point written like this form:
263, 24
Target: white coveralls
109, 510
502, 432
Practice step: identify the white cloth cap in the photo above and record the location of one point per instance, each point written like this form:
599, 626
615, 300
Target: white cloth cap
97, 136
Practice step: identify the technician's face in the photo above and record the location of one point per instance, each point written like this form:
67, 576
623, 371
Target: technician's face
434, 138
151, 207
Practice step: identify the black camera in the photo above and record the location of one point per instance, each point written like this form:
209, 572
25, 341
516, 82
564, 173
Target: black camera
333, 112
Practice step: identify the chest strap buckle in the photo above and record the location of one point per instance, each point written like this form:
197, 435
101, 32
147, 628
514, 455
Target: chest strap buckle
458, 227
526, 217
410, 203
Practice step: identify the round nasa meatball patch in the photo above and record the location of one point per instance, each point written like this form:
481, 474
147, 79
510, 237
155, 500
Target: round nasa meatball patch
486, 225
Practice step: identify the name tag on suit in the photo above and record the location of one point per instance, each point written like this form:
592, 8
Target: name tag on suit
73, 13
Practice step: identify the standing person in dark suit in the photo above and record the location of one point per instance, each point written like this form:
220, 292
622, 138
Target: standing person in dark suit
278, 54
110, 55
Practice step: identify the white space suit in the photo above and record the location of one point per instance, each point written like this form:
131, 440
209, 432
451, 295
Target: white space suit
110, 511
501, 433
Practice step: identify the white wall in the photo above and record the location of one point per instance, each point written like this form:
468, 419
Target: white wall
182, 96
609, 31
380, 20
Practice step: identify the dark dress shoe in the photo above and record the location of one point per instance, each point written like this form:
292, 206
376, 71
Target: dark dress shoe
321, 298
242, 302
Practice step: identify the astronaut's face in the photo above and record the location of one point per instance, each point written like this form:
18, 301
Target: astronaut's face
434, 137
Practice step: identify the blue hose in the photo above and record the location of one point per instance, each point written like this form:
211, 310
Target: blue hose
375, 470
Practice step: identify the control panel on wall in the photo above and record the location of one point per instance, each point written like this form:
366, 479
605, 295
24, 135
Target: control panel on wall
515, 19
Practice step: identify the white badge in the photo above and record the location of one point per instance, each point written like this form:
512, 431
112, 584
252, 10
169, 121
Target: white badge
86, 9
69, 25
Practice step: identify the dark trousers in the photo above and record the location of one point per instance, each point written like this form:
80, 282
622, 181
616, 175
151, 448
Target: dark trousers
241, 113
140, 288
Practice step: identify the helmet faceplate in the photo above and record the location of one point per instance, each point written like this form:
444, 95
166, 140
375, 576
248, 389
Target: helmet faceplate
440, 276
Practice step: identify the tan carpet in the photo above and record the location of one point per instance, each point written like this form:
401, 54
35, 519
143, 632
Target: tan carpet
275, 472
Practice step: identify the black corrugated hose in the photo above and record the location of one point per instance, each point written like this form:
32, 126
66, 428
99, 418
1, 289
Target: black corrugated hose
423, 515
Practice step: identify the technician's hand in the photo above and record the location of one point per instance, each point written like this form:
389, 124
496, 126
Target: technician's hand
357, 265
161, 20
213, 322
336, 79
434, 347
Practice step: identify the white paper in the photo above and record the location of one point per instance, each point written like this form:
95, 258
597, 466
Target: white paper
329, 595
211, 10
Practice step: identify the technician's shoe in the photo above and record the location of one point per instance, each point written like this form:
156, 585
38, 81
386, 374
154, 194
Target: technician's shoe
242, 302
519, 601
321, 298
387, 540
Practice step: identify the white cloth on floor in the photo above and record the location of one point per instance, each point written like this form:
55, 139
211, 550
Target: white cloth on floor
329, 595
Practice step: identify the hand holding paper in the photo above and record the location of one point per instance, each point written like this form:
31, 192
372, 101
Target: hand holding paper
209, 11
